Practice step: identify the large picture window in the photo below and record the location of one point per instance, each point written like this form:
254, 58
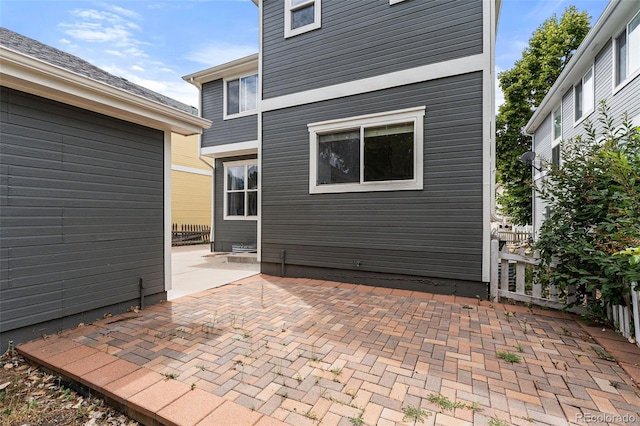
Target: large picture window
627, 48
378, 152
241, 96
301, 16
583, 96
241, 190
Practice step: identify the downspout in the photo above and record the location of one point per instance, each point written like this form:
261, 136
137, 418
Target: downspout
533, 191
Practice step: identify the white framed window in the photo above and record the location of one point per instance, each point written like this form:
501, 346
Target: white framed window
241, 190
556, 116
627, 52
301, 16
240, 96
584, 97
375, 152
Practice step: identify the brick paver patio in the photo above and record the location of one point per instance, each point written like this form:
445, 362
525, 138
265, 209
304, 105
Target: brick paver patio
307, 352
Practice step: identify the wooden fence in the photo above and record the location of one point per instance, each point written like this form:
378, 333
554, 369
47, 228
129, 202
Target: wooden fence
512, 279
514, 238
189, 234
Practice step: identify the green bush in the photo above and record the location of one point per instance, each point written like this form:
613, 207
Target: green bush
595, 213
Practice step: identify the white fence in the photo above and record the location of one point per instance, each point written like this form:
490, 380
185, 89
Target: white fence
515, 286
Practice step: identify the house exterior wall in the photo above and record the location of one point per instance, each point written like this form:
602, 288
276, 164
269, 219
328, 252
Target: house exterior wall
618, 100
370, 58
223, 132
190, 182
82, 201
361, 38
230, 232
435, 232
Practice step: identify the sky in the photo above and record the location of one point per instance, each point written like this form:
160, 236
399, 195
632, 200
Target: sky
155, 42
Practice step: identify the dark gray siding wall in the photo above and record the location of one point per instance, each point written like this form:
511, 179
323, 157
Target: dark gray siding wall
81, 199
436, 232
223, 132
230, 232
364, 38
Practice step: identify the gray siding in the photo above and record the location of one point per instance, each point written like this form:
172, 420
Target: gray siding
364, 38
622, 101
223, 132
82, 205
230, 232
435, 232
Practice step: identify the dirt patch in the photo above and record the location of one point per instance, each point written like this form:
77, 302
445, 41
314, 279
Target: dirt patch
30, 396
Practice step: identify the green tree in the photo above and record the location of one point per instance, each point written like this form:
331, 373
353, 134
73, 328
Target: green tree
595, 215
524, 86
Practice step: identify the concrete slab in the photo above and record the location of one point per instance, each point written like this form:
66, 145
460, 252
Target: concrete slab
195, 269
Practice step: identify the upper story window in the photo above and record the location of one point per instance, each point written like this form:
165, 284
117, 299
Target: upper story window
627, 49
557, 123
241, 190
583, 96
377, 152
557, 136
241, 96
301, 16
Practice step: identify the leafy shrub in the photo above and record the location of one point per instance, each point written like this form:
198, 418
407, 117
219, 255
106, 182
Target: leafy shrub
595, 212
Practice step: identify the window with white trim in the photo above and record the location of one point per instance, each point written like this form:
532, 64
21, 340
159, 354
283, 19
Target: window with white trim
376, 152
241, 190
557, 136
241, 96
301, 16
583, 96
627, 52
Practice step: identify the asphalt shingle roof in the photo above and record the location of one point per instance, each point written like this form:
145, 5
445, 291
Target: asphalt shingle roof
51, 55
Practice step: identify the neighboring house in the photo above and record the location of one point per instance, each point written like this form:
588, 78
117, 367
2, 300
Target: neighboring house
357, 145
190, 182
229, 97
85, 181
606, 67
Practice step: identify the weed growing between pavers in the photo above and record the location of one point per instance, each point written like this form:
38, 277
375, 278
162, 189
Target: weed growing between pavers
509, 357
415, 414
495, 421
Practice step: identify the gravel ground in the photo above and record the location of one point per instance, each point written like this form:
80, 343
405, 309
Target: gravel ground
30, 396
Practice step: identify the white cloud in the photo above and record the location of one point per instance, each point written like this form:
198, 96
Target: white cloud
220, 53
110, 38
173, 87
122, 11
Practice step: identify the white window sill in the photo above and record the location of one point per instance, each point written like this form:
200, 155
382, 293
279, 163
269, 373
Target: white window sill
240, 114
250, 218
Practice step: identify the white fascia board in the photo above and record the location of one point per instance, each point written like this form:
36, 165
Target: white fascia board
372, 84
27, 74
245, 65
168, 219
230, 149
488, 131
612, 20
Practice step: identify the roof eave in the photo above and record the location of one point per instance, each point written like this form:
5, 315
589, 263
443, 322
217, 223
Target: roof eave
614, 14
27, 74
238, 66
